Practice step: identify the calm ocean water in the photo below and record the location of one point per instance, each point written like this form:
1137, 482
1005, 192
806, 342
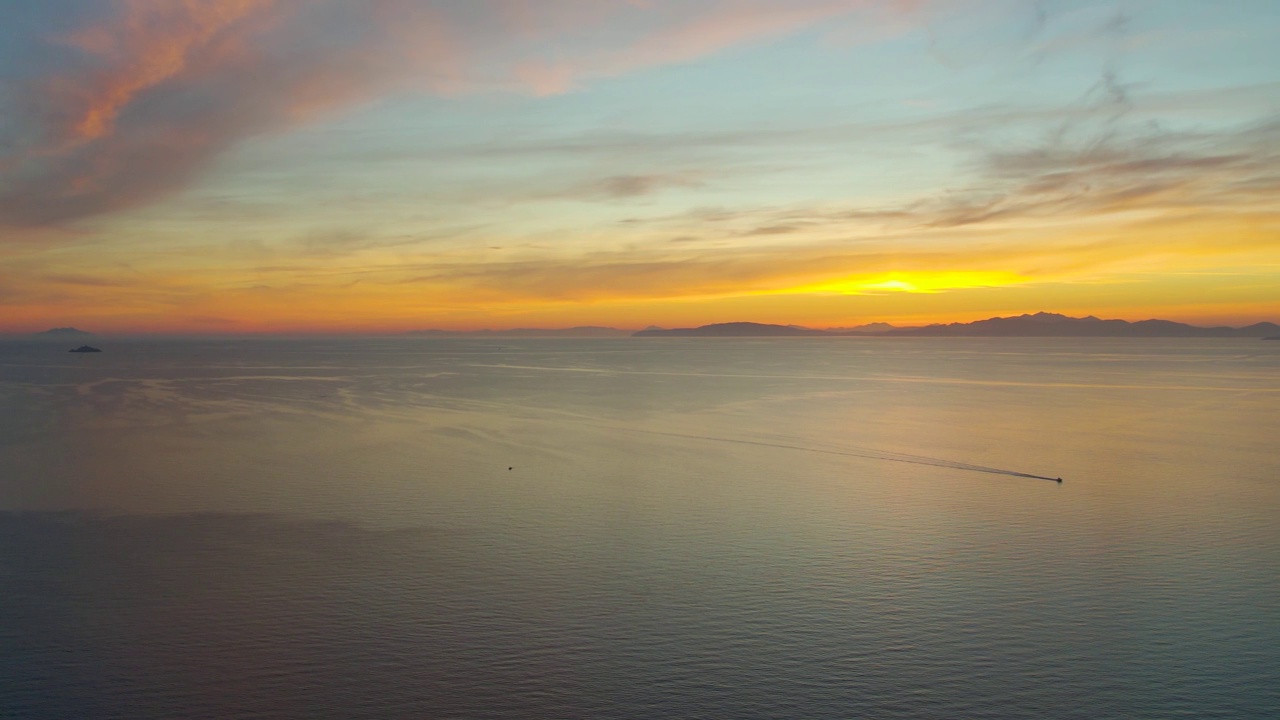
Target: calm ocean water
641, 528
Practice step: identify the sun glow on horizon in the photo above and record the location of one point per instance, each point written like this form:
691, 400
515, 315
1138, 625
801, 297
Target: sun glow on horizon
254, 166
920, 281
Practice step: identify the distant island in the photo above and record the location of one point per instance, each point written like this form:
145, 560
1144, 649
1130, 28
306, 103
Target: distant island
1041, 324
733, 329
84, 349
62, 333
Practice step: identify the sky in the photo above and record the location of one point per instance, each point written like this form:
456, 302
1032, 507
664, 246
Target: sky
327, 166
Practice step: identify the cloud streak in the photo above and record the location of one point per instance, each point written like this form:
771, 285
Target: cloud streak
150, 43
156, 89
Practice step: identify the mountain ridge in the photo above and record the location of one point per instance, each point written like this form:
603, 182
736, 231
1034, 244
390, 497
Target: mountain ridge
61, 333
1041, 324
733, 329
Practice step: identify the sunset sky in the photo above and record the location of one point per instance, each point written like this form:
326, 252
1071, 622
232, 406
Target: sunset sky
205, 166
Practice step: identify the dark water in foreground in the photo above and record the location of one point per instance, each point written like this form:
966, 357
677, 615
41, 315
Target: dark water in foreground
689, 529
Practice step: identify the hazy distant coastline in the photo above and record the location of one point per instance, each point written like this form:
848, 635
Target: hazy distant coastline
1037, 325
1041, 324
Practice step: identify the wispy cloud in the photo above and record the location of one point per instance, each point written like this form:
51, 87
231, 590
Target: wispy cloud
150, 43
1101, 155
156, 89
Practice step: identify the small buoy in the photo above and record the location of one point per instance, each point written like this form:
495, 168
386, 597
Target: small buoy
514, 468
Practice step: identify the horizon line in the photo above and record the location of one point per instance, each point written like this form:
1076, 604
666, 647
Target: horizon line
72, 331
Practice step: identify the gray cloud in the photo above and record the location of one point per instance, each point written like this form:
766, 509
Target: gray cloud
772, 230
624, 187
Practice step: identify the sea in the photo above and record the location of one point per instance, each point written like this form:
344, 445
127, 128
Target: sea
664, 528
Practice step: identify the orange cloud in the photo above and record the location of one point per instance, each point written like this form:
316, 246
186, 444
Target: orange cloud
726, 25
152, 41
163, 86
672, 34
